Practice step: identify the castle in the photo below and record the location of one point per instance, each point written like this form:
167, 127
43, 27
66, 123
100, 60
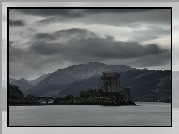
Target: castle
110, 86
110, 82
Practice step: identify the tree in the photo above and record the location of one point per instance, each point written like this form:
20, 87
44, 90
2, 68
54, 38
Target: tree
30, 96
68, 97
14, 92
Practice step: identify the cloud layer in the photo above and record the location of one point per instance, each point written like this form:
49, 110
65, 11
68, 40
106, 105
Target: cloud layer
81, 46
116, 17
14, 23
57, 38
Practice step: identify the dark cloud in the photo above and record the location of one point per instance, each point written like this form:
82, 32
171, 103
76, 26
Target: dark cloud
80, 41
108, 37
26, 32
118, 18
51, 12
104, 11
141, 38
160, 59
115, 40
76, 12
89, 13
69, 34
16, 54
44, 36
82, 48
16, 23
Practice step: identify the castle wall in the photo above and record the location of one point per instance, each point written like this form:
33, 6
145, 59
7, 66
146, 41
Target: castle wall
127, 92
110, 82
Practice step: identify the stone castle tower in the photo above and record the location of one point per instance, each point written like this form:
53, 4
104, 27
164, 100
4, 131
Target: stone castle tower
127, 92
111, 82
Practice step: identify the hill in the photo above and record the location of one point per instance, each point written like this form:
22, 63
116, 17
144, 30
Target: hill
36, 81
14, 92
22, 84
146, 85
11, 80
62, 77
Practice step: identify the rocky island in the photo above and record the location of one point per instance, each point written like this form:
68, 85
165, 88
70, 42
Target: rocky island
110, 93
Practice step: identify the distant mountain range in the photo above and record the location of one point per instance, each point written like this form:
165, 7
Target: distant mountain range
24, 84
73, 75
146, 85
36, 81
11, 80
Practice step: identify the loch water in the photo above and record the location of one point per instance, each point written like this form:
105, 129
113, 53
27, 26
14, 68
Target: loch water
144, 114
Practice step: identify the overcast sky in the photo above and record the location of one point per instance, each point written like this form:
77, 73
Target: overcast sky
44, 40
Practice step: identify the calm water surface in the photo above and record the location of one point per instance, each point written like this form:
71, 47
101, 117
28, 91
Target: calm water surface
146, 114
